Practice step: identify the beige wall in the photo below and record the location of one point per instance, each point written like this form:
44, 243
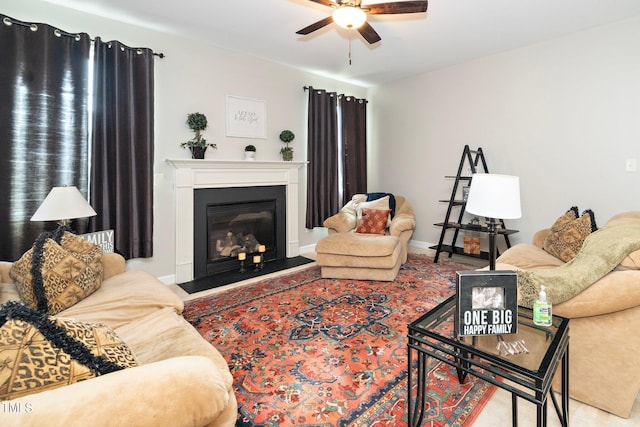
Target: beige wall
563, 115
197, 76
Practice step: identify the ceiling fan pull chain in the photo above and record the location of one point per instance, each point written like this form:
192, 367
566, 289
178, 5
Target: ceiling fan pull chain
349, 50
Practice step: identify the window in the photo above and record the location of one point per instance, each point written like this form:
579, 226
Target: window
44, 126
337, 153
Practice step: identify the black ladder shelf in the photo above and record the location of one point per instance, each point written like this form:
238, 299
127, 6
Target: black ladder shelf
475, 161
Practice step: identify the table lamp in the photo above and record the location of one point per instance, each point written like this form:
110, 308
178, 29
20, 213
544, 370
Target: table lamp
494, 196
63, 204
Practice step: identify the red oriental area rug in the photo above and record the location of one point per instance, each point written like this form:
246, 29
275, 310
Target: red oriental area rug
307, 351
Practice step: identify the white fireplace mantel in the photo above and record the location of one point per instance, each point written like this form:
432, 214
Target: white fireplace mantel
204, 173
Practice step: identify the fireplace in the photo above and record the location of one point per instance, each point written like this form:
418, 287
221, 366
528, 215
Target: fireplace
193, 175
228, 221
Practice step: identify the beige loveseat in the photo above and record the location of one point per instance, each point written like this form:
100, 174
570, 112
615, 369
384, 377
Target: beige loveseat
181, 379
603, 348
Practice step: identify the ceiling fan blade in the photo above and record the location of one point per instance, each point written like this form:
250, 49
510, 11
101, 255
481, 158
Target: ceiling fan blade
325, 2
369, 34
316, 26
397, 7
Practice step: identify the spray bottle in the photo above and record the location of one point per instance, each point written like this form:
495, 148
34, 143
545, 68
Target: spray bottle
542, 309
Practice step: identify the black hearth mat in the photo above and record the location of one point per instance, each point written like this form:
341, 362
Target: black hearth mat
227, 277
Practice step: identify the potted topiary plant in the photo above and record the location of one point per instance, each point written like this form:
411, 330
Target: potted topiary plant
287, 136
249, 152
197, 122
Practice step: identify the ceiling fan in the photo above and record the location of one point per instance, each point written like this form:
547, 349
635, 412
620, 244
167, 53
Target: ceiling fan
351, 14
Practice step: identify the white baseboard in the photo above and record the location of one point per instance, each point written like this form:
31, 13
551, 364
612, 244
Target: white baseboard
168, 280
420, 244
307, 249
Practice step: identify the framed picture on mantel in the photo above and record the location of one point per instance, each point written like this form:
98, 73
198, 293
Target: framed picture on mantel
246, 117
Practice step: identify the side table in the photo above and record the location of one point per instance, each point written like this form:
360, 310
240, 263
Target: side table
526, 375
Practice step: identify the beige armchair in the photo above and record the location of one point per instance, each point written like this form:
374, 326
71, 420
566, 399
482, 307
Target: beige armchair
344, 253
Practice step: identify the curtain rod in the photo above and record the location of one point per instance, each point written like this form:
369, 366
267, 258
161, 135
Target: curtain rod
305, 88
58, 32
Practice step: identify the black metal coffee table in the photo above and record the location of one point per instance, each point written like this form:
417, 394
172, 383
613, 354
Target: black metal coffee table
525, 375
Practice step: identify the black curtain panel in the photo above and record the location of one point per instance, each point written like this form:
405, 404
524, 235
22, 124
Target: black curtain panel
121, 177
322, 152
43, 124
354, 146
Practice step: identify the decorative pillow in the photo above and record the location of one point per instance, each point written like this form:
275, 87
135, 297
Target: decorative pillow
40, 353
374, 221
571, 215
392, 201
64, 270
381, 203
567, 234
350, 206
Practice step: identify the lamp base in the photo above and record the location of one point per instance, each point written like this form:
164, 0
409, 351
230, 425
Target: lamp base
491, 226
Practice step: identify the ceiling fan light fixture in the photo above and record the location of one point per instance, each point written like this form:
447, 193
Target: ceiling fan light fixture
349, 17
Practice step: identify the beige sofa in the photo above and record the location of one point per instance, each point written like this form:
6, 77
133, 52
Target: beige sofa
181, 381
603, 347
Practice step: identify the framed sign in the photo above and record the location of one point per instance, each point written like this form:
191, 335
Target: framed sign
104, 239
487, 302
246, 117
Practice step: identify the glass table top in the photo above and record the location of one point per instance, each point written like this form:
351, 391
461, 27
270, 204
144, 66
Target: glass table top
533, 342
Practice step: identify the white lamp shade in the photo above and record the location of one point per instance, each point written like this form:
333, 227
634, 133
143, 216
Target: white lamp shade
494, 196
349, 17
63, 203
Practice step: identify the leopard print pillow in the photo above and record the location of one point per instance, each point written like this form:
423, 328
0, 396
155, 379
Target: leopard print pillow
40, 352
566, 219
567, 234
71, 271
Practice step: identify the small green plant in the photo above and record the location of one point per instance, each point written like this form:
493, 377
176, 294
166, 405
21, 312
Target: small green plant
197, 122
287, 136
250, 148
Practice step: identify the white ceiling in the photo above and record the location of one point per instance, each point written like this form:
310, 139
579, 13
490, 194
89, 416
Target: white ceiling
452, 31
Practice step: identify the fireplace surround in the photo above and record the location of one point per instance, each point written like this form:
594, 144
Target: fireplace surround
192, 174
